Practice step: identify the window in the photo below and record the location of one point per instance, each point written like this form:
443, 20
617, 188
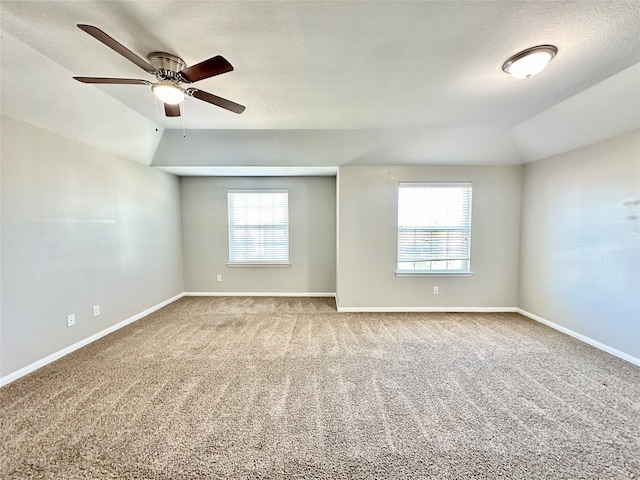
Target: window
434, 228
258, 226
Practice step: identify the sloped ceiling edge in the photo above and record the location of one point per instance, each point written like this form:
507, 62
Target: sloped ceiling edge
38, 91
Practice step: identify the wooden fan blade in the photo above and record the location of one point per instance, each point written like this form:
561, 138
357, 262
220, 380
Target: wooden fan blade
172, 110
208, 68
215, 100
118, 47
115, 81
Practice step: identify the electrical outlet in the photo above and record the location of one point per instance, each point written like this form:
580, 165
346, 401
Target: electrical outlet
71, 320
219, 278
96, 310
436, 291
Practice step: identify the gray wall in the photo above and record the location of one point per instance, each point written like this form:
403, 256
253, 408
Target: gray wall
580, 262
312, 236
367, 239
79, 227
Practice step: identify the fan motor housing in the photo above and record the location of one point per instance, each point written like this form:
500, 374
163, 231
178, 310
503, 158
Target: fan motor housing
165, 62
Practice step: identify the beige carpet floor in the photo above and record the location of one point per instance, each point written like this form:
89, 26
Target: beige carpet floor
289, 388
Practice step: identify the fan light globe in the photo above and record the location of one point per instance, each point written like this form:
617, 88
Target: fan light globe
529, 62
168, 93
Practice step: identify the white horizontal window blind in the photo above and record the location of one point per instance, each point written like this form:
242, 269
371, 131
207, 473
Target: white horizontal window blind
434, 227
258, 226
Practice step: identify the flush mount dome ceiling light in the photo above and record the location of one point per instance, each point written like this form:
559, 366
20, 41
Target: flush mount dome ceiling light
529, 62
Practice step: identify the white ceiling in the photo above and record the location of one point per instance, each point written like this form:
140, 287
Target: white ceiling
421, 71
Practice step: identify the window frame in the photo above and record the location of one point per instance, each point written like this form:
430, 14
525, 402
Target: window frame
463, 272
230, 227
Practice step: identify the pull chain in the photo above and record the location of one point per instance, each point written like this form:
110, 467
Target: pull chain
184, 111
156, 101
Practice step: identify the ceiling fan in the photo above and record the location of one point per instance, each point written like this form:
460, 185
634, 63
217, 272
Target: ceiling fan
170, 71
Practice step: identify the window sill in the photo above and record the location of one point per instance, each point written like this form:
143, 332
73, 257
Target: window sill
434, 273
259, 265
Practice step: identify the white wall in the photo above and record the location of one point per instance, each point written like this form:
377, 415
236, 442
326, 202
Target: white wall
368, 237
312, 234
580, 260
80, 227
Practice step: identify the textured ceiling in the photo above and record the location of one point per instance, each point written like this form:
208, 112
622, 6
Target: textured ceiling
376, 66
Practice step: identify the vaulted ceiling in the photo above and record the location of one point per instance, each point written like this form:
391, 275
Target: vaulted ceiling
330, 83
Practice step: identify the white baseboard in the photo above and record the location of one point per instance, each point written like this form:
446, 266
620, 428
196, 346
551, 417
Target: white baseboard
583, 338
428, 309
67, 350
259, 294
